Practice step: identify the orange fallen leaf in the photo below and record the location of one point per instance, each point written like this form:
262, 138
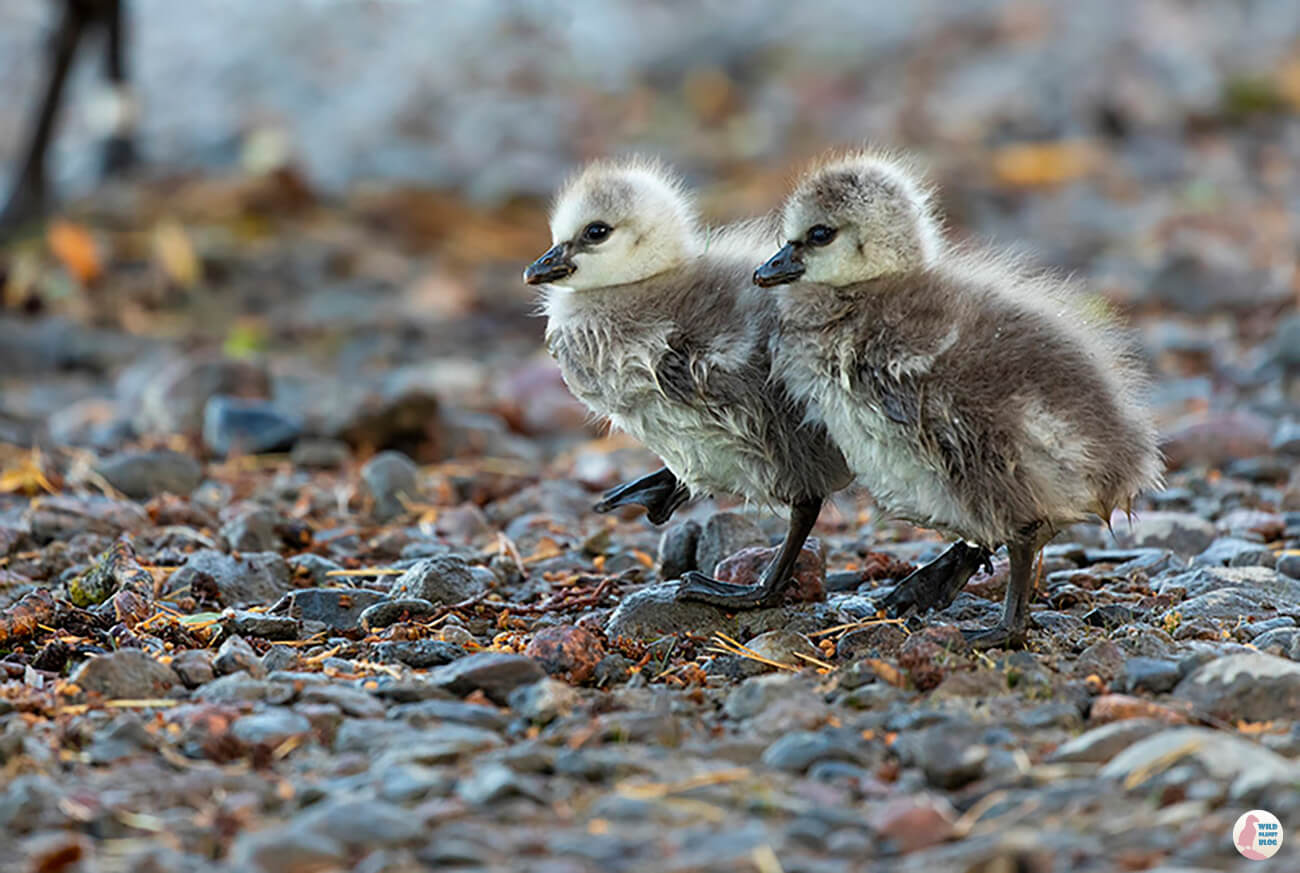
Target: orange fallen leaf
1029, 165
75, 248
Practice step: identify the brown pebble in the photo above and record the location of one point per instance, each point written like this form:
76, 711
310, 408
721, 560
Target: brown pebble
1117, 707
567, 650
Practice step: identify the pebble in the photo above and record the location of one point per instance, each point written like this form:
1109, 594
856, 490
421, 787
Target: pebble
143, 475
1234, 552
677, 549
263, 625
127, 673
1249, 768
1252, 687
493, 673
566, 650
544, 701
784, 647
420, 654
799, 750
253, 579
388, 478
336, 608
270, 727
194, 667
440, 580
1152, 675
247, 427
252, 530
912, 824
724, 534
236, 655
1099, 745
388, 612
1180, 532
317, 453
174, 400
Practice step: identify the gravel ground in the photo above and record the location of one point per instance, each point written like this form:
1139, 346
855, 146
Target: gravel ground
298, 568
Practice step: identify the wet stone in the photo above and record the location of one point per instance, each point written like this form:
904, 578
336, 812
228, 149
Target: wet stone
444, 579
142, 475
127, 673
336, 608
246, 427
724, 534
389, 477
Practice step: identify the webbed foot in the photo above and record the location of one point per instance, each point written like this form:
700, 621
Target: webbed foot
997, 637
936, 585
728, 595
659, 492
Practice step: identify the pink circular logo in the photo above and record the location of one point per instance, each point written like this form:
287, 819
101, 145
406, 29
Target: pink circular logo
1257, 835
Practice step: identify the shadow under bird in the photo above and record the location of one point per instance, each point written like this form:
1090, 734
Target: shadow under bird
967, 393
658, 327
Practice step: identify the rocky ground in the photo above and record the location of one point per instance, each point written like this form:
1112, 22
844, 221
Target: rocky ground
299, 572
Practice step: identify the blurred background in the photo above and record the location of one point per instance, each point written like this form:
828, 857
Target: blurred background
333, 199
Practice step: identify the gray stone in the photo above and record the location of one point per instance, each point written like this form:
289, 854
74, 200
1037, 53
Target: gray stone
243, 688
194, 667
292, 848
237, 655
314, 567
127, 673
1100, 744
279, 658
270, 727
444, 579
542, 702
494, 673
492, 782
799, 750
262, 625
254, 579
1235, 552
434, 712
1230, 604
419, 654
1155, 675
1181, 532
1244, 687
389, 612
142, 475
174, 400
336, 608
389, 477
320, 454
724, 534
248, 427
951, 755
655, 612
1288, 563
677, 549
252, 530
784, 646
1225, 756
124, 737
1287, 438
1266, 585
1284, 641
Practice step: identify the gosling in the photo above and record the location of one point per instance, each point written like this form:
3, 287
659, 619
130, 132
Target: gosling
657, 327
967, 394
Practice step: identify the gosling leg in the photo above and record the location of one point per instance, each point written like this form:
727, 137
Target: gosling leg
1009, 632
771, 588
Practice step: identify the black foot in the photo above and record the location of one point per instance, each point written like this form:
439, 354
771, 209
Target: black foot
937, 584
997, 637
727, 595
659, 492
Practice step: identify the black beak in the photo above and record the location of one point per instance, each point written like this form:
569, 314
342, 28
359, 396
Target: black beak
553, 265
784, 266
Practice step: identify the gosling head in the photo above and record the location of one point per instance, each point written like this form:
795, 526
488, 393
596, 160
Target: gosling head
617, 223
851, 220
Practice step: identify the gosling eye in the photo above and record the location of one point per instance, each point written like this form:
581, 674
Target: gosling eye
820, 235
596, 232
